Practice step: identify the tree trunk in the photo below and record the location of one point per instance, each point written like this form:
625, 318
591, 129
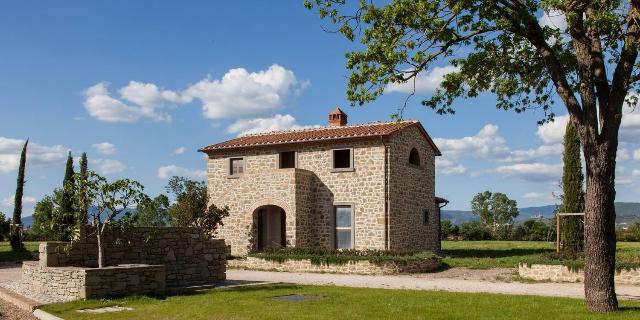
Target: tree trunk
100, 250
599, 225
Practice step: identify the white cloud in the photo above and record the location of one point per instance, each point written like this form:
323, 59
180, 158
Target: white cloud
623, 155
9, 201
168, 171
554, 19
636, 155
105, 148
630, 125
447, 166
37, 155
425, 82
179, 150
106, 166
276, 123
102, 106
533, 196
533, 172
553, 132
240, 93
541, 152
635, 173
485, 144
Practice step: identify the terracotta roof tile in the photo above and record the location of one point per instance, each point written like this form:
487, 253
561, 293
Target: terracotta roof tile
314, 134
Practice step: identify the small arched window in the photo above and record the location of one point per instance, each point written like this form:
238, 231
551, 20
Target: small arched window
414, 157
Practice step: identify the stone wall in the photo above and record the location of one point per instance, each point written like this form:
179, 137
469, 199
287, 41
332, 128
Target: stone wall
358, 267
559, 273
73, 283
189, 256
411, 191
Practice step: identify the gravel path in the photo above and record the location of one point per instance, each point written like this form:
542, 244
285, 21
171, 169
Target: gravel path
431, 281
11, 312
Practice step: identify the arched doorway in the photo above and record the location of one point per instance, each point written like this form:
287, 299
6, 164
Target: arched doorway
271, 227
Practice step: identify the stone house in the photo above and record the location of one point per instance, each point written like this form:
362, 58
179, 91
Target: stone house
364, 186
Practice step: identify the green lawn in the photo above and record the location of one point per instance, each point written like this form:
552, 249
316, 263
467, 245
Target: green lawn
7, 255
507, 254
341, 303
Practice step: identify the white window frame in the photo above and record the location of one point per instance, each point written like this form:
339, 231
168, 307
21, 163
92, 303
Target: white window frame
351, 157
336, 228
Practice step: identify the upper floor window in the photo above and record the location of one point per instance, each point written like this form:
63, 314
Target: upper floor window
236, 166
414, 157
342, 159
287, 159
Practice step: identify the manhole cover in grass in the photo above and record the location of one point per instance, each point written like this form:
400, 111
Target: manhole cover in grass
296, 297
105, 309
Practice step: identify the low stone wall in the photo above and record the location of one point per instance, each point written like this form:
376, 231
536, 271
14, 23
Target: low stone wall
559, 273
190, 256
356, 267
72, 283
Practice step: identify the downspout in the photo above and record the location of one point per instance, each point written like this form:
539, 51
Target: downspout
439, 241
386, 194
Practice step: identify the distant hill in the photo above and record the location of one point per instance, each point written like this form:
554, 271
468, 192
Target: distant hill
626, 213
28, 220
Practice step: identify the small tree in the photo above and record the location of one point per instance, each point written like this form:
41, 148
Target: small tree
16, 227
109, 199
192, 206
496, 211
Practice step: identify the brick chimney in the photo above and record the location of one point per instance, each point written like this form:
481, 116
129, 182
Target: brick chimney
337, 118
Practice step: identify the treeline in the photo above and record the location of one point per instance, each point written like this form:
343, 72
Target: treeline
87, 198
530, 230
631, 233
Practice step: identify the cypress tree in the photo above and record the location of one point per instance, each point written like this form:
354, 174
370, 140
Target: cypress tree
16, 227
572, 227
82, 218
67, 218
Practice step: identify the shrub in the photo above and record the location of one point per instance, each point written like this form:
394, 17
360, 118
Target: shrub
632, 233
339, 257
474, 230
448, 230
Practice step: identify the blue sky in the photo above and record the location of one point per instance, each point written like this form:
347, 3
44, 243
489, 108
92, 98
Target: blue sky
141, 85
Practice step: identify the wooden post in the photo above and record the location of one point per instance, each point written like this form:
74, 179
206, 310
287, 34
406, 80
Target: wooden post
557, 233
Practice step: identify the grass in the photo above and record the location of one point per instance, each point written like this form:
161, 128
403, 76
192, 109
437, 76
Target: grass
508, 254
255, 302
8, 255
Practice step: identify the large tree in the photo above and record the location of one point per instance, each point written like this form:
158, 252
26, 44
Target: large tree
572, 193
16, 227
500, 46
496, 212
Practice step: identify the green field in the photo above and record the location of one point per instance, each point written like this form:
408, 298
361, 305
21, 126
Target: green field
507, 254
8, 255
257, 302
